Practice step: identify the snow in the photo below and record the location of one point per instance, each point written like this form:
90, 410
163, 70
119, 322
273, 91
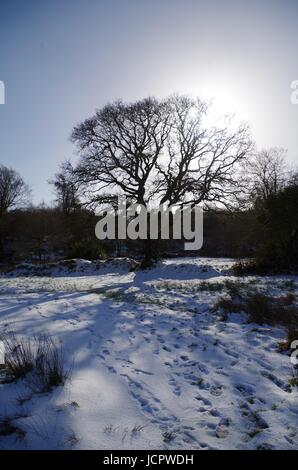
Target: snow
152, 364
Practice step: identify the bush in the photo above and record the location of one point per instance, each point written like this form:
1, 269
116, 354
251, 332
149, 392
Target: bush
89, 249
260, 309
265, 309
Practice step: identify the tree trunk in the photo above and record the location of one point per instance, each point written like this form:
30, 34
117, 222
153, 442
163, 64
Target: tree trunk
147, 261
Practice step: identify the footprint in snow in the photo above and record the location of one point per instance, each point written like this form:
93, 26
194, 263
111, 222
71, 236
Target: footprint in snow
205, 401
184, 358
175, 386
188, 437
216, 391
160, 339
231, 353
168, 364
290, 441
143, 371
150, 404
101, 356
202, 368
264, 364
279, 383
221, 431
245, 389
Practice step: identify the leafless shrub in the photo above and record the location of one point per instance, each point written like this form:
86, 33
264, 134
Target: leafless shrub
259, 308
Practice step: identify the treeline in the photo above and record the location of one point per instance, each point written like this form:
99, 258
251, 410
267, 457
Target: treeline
267, 232
42, 234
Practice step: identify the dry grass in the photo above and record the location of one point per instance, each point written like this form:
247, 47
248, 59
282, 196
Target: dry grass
19, 356
294, 379
40, 360
168, 436
260, 309
8, 427
292, 335
49, 364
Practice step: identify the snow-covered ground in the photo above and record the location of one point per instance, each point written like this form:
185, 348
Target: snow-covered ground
153, 365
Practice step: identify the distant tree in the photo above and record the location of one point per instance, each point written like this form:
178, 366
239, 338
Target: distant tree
293, 179
39, 224
268, 173
278, 220
66, 188
13, 190
160, 152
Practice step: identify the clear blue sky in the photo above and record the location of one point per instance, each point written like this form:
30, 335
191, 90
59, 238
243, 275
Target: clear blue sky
61, 59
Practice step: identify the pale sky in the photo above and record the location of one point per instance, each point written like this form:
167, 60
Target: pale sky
62, 59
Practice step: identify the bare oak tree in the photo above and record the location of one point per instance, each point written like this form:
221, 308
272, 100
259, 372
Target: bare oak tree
160, 152
120, 147
203, 163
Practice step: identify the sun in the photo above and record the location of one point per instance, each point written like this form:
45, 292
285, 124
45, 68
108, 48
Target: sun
226, 93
